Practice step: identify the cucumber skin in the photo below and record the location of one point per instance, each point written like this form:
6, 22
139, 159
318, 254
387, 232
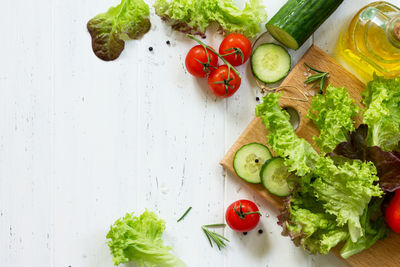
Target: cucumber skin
300, 18
262, 179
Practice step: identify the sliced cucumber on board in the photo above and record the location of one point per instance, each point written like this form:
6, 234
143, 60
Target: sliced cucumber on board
274, 175
298, 19
248, 161
270, 62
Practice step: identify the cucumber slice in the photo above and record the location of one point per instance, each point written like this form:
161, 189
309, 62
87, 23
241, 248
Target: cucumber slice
248, 161
270, 62
274, 175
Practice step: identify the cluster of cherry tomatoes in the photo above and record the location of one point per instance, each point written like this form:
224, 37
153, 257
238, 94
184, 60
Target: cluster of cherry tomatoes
223, 80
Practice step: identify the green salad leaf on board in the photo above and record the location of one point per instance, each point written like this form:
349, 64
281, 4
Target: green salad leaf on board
382, 114
138, 238
387, 163
305, 221
333, 114
109, 31
374, 226
299, 154
194, 16
330, 200
345, 191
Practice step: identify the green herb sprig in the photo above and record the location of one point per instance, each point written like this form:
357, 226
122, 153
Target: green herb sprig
183, 216
319, 77
218, 239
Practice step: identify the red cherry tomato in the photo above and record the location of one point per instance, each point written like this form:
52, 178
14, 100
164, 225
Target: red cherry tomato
237, 46
242, 215
393, 213
196, 54
220, 84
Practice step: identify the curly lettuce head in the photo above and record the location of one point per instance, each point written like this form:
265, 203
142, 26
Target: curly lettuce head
382, 114
345, 191
329, 202
138, 239
333, 114
194, 16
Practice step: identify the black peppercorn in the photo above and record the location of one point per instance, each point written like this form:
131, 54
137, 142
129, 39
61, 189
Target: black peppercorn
257, 98
168, 42
260, 231
256, 160
244, 233
150, 48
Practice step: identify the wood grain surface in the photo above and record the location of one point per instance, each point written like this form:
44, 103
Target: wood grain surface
383, 253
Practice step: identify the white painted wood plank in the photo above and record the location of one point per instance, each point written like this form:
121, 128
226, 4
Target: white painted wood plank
181, 142
96, 139
26, 90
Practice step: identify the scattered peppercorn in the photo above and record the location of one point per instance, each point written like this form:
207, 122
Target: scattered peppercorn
150, 48
244, 233
256, 160
168, 42
257, 98
260, 231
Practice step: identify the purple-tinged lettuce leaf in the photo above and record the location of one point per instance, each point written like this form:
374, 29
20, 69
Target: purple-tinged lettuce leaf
388, 166
109, 31
387, 163
304, 220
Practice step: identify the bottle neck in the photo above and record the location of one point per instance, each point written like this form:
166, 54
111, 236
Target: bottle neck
391, 25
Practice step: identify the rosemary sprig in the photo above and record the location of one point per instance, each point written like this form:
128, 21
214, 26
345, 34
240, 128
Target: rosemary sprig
183, 216
218, 239
319, 77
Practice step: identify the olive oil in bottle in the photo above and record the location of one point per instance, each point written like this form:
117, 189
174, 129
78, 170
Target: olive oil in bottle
371, 42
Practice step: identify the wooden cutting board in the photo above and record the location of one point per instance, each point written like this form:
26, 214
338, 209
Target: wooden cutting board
298, 97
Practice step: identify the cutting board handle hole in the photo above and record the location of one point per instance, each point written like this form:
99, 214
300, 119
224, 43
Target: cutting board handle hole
294, 116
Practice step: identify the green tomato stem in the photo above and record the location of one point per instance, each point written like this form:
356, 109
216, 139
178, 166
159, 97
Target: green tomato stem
215, 52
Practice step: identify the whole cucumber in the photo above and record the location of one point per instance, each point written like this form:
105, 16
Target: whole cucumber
298, 19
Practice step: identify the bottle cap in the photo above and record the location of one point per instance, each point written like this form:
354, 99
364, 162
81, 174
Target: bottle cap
396, 30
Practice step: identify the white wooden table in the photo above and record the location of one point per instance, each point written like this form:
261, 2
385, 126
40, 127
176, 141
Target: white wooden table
83, 141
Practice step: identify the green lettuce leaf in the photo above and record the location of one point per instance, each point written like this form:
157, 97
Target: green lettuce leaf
194, 16
110, 30
374, 226
300, 155
139, 239
382, 114
387, 163
332, 113
304, 220
346, 190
